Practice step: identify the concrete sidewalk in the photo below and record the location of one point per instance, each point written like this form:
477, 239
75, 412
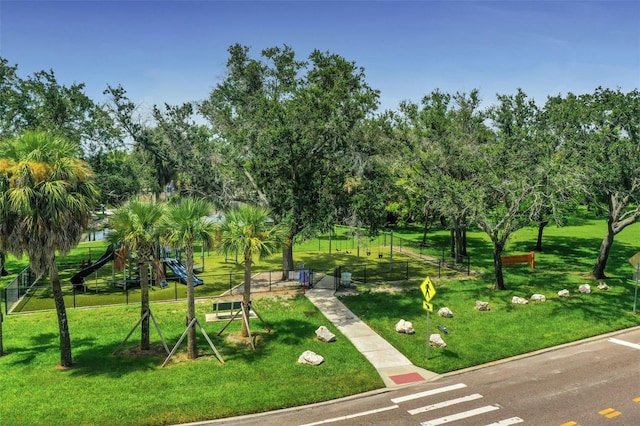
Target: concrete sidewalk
394, 368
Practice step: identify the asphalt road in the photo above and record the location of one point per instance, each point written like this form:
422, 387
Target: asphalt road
594, 382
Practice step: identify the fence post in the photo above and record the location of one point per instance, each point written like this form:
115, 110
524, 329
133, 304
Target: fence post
230, 281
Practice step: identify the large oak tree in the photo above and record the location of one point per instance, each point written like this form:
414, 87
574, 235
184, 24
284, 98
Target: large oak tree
286, 127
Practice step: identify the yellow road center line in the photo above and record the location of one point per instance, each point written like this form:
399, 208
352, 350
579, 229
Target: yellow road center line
606, 411
570, 424
636, 399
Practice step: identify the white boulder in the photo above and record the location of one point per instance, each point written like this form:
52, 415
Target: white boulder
603, 286
324, 335
539, 298
311, 358
437, 341
519, 300
482, 306
445, 312
585, 288
563, 293
405, 327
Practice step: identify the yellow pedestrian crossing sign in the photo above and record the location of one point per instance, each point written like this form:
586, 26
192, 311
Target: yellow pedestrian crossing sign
427, 306
428, 290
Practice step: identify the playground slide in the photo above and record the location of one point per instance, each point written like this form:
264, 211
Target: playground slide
180, 271
108, 256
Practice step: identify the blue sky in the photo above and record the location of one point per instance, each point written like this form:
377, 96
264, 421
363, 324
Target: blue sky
175, 51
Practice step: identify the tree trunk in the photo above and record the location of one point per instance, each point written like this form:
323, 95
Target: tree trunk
453, 243
246, 295
192, 347
1, 344
541, 226
459, 244
424, 231
497, 264
143, 270
464, 241
287, 258
63, 323
3, 273
603, 254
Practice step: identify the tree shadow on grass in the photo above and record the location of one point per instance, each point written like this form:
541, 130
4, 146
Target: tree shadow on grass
35, 346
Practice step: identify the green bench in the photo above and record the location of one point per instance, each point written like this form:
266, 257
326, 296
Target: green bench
230, 308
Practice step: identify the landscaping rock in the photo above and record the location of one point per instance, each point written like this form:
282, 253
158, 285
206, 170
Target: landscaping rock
324, 335
519, 300
585, 288
311, 358
603, 286
436, 340
482, 306
539, 298
563, 293
404, 327
445, 312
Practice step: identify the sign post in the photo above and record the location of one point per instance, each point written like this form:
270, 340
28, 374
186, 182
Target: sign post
635, 296
428, 291
635, 262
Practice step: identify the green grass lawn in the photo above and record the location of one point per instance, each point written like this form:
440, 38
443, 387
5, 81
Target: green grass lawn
478, 337
123, 389
129, 389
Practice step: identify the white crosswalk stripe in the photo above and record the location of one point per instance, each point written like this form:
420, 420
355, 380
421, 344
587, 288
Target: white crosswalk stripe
445, 404
351, 416
624, 343
428, 393
462, 415
507, 422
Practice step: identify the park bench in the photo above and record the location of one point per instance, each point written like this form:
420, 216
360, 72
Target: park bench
519, 258
226, 308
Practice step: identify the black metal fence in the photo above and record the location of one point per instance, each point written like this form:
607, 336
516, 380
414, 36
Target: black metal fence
373, 261
18, 288
22, 295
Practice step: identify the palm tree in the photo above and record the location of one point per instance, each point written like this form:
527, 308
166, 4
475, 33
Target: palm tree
47, 197
246, 230
135, 225
184, 223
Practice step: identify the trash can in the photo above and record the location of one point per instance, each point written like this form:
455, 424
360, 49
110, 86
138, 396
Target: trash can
345, 279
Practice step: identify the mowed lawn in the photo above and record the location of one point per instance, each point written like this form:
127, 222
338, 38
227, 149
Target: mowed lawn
129, 389
509, 329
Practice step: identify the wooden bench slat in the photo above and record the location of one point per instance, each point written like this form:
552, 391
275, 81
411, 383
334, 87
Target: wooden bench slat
519, 258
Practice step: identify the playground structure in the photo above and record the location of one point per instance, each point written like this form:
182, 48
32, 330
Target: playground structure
178, 272
78, 279
172, 270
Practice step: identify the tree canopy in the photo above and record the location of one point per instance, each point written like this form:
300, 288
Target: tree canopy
286, 127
